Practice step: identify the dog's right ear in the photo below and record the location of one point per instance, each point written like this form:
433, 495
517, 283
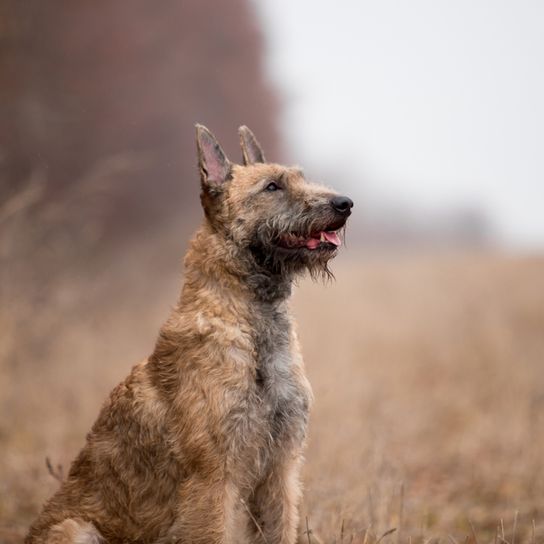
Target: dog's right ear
213, 165
251, 149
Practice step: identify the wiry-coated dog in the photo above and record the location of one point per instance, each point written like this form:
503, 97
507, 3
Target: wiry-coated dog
202, 443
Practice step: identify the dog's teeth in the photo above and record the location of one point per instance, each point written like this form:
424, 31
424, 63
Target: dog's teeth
322, 238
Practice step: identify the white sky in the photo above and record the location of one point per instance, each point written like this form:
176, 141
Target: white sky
430, 102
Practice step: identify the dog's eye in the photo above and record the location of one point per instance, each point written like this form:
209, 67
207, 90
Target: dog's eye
272, 186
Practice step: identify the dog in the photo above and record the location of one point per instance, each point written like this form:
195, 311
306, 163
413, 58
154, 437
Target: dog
203, 441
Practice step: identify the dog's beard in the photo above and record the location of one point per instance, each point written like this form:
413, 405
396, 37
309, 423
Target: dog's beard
292, 262
272, 256
300, 261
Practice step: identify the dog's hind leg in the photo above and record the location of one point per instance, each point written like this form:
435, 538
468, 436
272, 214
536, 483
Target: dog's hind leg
73, 531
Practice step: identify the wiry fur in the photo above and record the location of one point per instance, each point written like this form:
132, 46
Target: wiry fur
203, 440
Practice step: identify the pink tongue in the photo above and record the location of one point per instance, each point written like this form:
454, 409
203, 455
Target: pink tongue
312, 243
331, 237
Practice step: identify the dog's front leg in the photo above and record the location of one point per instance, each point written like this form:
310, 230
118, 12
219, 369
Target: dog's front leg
209, 513
275, 502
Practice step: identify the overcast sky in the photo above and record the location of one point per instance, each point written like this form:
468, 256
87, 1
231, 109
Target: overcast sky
432, 103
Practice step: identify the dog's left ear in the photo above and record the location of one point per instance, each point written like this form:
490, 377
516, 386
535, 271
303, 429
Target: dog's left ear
251, 149
213, 164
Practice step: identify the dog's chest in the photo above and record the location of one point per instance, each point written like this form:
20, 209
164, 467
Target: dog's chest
281, 394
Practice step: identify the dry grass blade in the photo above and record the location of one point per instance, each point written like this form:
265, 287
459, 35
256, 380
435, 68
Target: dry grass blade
401, 512
502, 535
57, 473
514, 529
473, 532
387, 533
308, 531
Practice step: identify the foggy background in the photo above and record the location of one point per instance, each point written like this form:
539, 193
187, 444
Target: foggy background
431, 113
428, 114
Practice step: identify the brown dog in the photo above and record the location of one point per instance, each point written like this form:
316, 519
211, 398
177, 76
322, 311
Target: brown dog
202, 443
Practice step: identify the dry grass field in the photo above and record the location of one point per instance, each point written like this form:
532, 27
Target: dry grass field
428, 374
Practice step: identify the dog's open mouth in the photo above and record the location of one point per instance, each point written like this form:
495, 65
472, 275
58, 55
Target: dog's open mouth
324, 239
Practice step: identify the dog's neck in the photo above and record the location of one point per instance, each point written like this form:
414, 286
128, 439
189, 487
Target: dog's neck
213, 258
218, 281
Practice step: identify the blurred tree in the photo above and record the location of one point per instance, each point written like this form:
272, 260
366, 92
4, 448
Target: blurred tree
99, 99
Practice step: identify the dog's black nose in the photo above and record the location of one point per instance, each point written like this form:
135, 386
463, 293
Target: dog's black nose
342, 204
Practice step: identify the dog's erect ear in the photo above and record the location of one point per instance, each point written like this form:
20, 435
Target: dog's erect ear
251, 150
213, 164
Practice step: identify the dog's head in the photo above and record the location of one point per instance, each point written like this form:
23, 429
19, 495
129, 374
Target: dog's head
285, 223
